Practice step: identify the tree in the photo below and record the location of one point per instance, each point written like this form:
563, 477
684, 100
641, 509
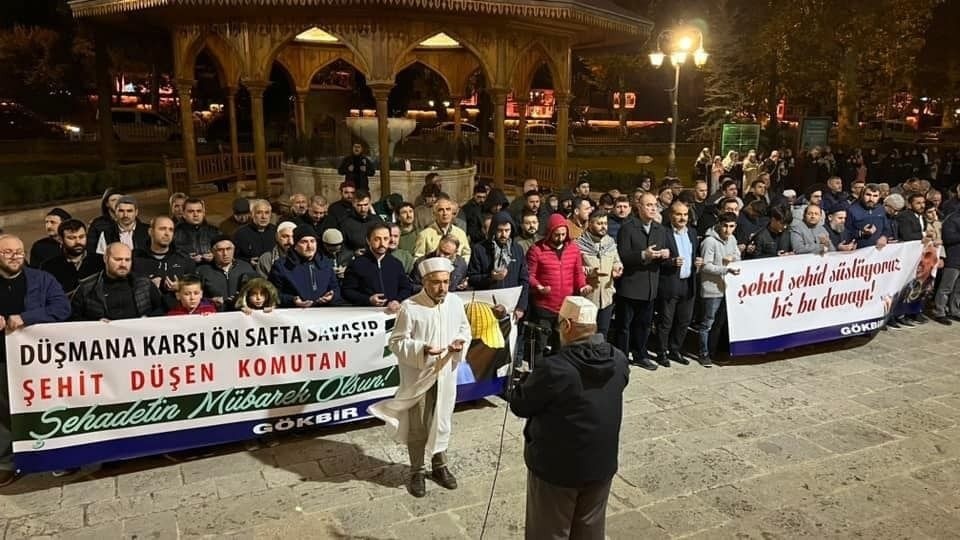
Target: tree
41, 66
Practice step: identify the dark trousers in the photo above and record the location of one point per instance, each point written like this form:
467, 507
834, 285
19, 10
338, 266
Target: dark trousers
632, 322
543, 318
676, 313
603, 319
555, 512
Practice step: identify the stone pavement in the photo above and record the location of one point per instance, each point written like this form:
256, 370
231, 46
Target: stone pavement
858, 439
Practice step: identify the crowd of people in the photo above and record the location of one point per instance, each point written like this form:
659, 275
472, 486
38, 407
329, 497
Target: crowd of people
652, 259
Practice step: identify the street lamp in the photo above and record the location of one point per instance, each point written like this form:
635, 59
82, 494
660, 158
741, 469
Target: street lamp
679, 43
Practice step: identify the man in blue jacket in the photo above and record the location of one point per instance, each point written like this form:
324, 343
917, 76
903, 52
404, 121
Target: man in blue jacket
303, 278
867, 220
499, 263
573, 403
27, 296
376, 278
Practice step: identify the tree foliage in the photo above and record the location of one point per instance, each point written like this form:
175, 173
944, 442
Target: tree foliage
43, 67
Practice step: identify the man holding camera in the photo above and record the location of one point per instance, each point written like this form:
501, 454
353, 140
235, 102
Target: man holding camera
573, 402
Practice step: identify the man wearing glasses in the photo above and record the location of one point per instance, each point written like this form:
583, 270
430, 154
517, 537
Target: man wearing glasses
27, 296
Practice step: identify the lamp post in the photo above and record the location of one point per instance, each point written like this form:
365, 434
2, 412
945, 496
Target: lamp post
678, 42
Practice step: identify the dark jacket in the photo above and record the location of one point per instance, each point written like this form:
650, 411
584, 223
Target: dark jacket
171, 264
141, 236
670, 285
456, 277
908, 226
858, 217
69, 275
44, 302
307, 279
365, 277
194, 239
363, 169
472, 214
481, 265
354, 229
573, 401
250, 242
950, 234
90, 304
216, 282
43, 250
640, 279
768, 245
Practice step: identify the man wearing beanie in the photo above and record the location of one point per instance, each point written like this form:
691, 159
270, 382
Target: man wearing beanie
225, 274
573, 403
240, 217
304, 278
48, 247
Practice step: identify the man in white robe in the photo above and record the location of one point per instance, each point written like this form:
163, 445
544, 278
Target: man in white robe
430, 340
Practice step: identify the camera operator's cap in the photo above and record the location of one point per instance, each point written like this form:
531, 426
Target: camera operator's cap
332, 237
579, 310
435, 264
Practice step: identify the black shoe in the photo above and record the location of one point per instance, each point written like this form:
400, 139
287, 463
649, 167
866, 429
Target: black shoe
892, 324
444, 477
705, 360
954, 317
905, 322
942, 319
644, 363
663, 358
417, 486
919, 318
678, 358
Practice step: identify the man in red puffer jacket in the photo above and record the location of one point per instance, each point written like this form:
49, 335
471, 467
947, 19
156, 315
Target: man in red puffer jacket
556, 272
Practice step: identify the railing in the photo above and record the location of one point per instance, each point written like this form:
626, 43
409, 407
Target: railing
545, 172
219, 167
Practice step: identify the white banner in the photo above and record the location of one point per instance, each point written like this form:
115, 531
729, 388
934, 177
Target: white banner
782, 302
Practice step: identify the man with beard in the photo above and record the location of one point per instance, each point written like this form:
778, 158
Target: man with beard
866, 221
315, 215
529, 231
338, 209
834, 196
406, 218
499, 263
298, 206
258, 236
429, 341
332, 248
240, 217
279, 251
116, 292
711, 215
677, 287
176, 206
519, 203
601, 263
162, 264
641, 245
304, 278
556, 272
809, 235
355, 224
836, 228
402, 255
533, 201
225, 274
193, 235
621, 213
357, 168
73, 263
376, 278
127, 229
579, 218
473, 213
48, 247
27, 297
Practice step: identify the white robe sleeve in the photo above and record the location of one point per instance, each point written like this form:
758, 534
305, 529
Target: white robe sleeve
409, 351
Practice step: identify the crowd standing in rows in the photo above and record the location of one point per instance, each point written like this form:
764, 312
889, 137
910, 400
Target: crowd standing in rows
652, 260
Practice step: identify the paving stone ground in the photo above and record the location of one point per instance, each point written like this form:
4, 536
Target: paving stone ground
852, 440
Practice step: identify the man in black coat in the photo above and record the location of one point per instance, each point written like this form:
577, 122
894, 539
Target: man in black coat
376, 278
258, 236
499, 263
641, 244
355, 224
127, 229
911, 224
74, 262
357, 168
472, 213
192, 236
161, 263
573, 402
677, 290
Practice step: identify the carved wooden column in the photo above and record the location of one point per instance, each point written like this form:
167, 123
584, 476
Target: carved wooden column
188, 138
499, 97
256, 89
562, 103
381, 92
522, 103
231, 92
302, 113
